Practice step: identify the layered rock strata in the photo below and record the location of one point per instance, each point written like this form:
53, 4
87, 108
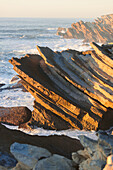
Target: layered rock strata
101, 30
72, 89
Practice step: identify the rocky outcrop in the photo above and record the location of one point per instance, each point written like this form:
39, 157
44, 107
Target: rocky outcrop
15, 115
95, 153
99, 31
72, 89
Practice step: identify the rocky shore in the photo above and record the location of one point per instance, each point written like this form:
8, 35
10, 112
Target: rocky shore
101, 30
19, 151
72, 89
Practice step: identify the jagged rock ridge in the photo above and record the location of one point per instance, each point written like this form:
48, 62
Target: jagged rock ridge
72, 89
99, 31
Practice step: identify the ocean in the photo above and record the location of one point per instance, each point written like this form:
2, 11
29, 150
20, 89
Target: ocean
19, 36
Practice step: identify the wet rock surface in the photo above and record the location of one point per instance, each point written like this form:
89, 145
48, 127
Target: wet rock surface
101, 30
72, 89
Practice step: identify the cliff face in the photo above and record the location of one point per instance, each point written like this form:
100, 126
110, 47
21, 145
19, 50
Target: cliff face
72, 89
99, 31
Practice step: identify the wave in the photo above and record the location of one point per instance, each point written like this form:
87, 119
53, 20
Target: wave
51, 29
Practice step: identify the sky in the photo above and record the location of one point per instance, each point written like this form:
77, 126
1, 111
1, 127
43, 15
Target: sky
55, 8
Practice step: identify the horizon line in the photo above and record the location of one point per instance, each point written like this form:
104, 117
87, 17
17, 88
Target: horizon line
50, 17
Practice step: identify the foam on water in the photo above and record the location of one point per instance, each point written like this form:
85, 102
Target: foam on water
42, 132
16, 97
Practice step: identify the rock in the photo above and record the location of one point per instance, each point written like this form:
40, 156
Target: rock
109, 165
99, 31
2, 84
77, 158
7, 161
72, 89
61, 145
15, 115
2, 168
54, 162
15, 79
20, 166
28, 154
88, 143
94, 156
19, 85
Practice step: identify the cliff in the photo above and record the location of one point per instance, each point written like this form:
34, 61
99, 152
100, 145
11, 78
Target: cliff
101, 30
72, 89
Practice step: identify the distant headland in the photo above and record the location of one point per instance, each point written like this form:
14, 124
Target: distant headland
101, 30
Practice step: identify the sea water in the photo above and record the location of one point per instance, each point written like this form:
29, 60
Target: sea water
19, 36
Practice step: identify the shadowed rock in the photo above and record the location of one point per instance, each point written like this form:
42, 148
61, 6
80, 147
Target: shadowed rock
99, 31
72, 89
61, 145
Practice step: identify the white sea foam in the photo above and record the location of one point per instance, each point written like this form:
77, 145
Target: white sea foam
51, 29
16, 97
42, 132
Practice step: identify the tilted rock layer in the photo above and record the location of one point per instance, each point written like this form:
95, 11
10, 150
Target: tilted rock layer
72, 89
99, 31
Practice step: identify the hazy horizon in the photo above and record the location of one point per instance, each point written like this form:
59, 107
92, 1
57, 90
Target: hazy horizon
55, 9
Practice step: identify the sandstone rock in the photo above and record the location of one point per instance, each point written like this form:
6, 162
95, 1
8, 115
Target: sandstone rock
28, 154
14, 115
99, 31
54, 162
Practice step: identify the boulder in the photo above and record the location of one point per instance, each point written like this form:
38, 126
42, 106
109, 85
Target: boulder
7, 161
15, 115
54, 162
28, 155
